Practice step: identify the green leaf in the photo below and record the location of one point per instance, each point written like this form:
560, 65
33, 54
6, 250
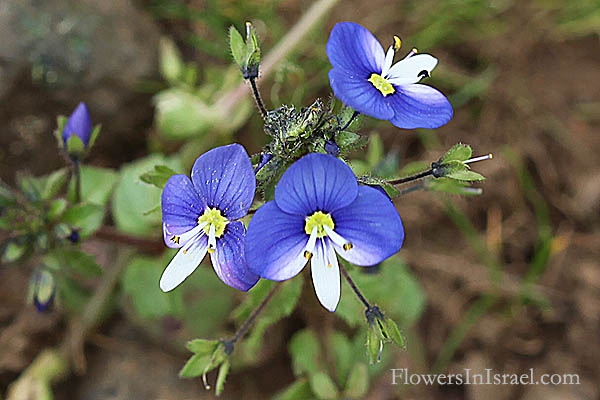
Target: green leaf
54, 183
374, 344
171, 66
195, 366
158, 176
97, 184
322, 386
12, 252
304, 349
140, 282
132, 197
299, 390
343, 355
348, 141
74, 260
86, 217
358, 382
465, 175
237, 46
56, 208
223, 371
375, 150
75, 146
451, 186
202, 346
72, 295
94, 136
393, 332
458, 152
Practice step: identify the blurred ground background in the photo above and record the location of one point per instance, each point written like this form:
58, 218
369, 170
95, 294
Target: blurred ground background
512, 277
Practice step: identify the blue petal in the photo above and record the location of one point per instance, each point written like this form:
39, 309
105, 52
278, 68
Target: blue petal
275, 243
79, 124
419, 106
353, 48
373, 226
360, 94
228, 259
224, 178
316, 182
180, 205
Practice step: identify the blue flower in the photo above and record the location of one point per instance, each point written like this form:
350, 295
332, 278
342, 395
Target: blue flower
199, 216
319, 210
79, 124
364, 78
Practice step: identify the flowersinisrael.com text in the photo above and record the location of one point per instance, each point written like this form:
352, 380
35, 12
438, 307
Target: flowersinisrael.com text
402, 376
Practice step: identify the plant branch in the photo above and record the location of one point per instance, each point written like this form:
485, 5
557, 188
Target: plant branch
412, 178
257, 98
246, 325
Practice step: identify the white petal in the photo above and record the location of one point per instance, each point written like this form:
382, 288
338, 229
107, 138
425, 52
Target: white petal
183, 264
326, 275
389, 59
335, 237
407, 71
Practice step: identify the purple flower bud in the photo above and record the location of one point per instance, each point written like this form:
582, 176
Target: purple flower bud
332, 148
78, 124
264, 159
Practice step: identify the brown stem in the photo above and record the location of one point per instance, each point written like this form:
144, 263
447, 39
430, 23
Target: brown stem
113, 235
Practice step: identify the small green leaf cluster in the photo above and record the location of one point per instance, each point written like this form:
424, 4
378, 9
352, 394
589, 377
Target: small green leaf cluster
246, 54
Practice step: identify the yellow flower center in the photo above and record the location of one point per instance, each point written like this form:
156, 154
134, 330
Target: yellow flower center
212, 216
318, 219
382, 84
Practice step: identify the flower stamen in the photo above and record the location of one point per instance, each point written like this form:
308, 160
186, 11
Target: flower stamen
381, 84
310, 245
338, 239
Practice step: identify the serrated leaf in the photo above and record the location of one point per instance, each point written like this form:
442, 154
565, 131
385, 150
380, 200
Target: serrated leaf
237, 46
458, 152
86, 217
348, 141
322, 386
358, 382
221, 377
202, 346
304, 349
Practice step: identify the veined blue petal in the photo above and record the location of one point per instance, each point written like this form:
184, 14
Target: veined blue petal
373, 226
184, 263
78, 124
419, 106
360, 94
316, 182
224, 178
181, 206
275, 243
228, 259
354, 49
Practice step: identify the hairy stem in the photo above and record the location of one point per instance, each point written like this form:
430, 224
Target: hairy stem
246, 325
257, 98
359, 294
412, 178
77, 176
